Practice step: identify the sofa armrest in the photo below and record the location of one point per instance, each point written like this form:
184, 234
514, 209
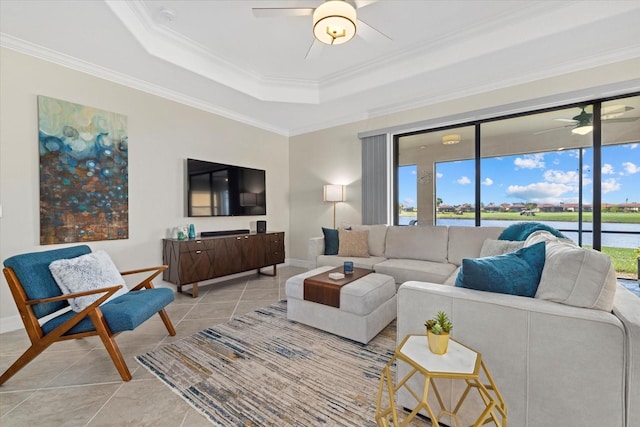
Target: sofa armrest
315, 247
542, 347
626, 307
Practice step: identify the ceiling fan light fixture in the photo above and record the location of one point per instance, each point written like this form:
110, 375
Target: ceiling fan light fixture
451, 139
582, 130
334, 22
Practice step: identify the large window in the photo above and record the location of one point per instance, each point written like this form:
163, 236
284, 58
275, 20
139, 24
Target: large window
550, 166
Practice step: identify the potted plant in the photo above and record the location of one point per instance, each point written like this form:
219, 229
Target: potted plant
438, 330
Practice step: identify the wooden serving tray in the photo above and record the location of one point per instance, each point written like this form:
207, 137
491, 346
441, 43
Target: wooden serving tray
322, 289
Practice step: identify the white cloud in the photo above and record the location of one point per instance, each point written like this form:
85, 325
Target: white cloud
409, 201
607, 169
530, 161
634, 146
540, 192
631, 168
561, 177
414, 172
487, 181
610, 185
439, 175
463, 180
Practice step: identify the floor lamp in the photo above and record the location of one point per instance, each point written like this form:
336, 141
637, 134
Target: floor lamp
333, 193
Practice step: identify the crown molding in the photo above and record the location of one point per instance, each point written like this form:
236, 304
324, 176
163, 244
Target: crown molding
21, 46
548, 101
424, 100
186, 53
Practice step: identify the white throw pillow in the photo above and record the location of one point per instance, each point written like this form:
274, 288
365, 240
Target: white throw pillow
577, 277
545, 236
85, 273
492, 247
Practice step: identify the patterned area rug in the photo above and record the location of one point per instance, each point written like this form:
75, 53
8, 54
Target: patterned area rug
264, 370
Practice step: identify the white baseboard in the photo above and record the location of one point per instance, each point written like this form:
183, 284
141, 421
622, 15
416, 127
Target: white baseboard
10, 323
298, 263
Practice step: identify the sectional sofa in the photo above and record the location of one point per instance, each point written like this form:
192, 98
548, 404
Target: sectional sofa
568, 357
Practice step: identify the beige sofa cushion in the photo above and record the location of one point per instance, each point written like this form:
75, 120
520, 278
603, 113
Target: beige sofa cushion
377, 237
466, 242
403, 270
353, 243
338, 261
575, 276
492, 247
426, 243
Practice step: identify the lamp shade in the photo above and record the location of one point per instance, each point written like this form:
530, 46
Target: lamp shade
333, 193
334, 22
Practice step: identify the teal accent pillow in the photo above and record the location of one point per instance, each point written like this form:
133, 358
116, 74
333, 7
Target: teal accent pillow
331, 242
515, 273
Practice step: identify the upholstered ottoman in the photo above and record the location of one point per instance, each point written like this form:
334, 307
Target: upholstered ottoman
367, 305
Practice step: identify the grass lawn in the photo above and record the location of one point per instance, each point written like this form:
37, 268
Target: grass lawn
625, 260
619, 217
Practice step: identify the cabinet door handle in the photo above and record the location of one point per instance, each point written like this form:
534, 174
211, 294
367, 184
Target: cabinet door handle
198, 241
238, 238
246, 237
198, 252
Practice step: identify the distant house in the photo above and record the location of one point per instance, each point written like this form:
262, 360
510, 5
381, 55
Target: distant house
629, 207
492, 208
547, 207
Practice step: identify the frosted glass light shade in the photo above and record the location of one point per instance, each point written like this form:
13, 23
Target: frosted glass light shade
453, 138
333, 193
334, 22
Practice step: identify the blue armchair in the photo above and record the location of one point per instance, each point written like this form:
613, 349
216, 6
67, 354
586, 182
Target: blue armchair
37, 295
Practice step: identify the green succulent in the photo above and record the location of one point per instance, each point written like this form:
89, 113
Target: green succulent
439, 324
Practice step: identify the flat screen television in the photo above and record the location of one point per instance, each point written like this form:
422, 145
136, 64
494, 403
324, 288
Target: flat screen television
216, 189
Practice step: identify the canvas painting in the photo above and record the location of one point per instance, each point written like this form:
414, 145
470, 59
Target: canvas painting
83, 173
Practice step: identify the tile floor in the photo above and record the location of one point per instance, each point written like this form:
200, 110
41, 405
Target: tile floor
74, 383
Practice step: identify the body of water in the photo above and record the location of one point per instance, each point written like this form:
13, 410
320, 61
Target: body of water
616, 239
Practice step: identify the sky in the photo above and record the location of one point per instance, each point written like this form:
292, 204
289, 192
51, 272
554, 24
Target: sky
550, 177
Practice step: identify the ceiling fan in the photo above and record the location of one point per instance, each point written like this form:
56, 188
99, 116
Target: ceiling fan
334, 22
583, 123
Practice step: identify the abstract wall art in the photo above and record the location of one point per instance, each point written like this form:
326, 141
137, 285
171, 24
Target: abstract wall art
83, 173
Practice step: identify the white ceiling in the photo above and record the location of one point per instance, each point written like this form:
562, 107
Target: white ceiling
218, 56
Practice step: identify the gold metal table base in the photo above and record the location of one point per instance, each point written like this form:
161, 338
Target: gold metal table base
495, 409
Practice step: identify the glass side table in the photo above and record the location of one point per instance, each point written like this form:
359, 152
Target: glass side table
458, 363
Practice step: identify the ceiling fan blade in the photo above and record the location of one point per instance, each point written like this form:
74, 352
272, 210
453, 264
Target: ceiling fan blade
363, 3
370, 34
279, 12
314, 50
540, 132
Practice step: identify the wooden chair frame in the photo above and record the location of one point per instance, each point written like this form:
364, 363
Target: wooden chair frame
41, 341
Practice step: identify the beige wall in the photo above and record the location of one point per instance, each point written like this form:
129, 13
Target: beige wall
333, 155
162, 134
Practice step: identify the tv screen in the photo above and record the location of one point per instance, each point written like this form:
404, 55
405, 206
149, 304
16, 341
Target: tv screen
216, 189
